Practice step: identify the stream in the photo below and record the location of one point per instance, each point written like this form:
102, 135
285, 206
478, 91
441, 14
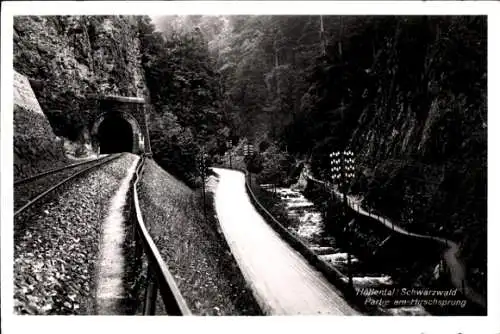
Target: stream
310, 230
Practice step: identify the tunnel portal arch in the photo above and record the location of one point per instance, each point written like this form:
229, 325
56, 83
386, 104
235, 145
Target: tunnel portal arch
117, 132
121, 125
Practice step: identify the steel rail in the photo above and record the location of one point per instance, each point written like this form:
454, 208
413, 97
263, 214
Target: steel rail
159, 276
55, 170
59, 184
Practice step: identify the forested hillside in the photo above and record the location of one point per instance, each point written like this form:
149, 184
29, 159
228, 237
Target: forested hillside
186, 93
71, 60
406, 94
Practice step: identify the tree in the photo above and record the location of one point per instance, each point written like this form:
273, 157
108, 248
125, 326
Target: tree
185, 95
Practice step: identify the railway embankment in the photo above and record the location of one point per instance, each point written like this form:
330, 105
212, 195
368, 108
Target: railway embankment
57, 251
197, 255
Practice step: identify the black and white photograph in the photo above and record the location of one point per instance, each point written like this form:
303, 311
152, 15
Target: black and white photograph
170, 164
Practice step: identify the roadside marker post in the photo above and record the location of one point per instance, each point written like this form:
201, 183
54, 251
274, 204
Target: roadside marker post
229, 145
202, 163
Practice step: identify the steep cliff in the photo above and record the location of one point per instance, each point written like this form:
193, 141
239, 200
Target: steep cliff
70, 59
421, 137
407, 94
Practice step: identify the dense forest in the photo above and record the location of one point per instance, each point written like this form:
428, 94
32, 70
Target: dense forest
185, 96
406, 94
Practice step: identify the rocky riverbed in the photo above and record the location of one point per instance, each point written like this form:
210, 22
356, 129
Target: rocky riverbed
310, 228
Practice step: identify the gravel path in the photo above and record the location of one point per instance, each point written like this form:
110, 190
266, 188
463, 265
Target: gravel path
198, 257
57, 251
110, 289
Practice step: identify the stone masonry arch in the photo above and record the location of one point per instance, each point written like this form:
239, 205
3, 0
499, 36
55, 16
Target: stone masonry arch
137, 136
132, 110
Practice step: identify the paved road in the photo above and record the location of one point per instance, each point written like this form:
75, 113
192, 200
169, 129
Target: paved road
281, 279
450, 255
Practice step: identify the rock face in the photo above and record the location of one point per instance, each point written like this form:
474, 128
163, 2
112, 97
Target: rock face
36, 148
422, 141
70, 59
24, 96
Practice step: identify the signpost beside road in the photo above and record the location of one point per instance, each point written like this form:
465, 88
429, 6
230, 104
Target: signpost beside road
342, 170
248, 151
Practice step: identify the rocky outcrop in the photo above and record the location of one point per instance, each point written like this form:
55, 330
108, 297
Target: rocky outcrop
302, 180
36, 148
421, 144
71, 59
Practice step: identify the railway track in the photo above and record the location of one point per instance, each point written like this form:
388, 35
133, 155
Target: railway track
160, 285
32, 189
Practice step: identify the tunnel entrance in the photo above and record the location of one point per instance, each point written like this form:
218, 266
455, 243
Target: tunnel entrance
115, 135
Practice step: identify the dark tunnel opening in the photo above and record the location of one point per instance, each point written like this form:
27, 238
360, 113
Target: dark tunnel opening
115, 135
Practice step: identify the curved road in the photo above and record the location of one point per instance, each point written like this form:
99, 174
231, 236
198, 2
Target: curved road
450, 255
280, 278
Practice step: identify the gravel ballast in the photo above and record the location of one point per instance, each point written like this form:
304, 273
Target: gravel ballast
57, 250
24, 192
198, 257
